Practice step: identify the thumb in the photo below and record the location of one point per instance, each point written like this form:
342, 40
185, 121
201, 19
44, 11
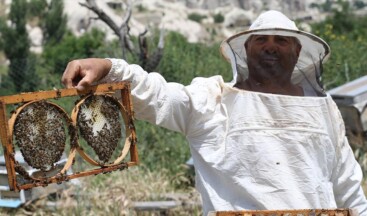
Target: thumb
84, 82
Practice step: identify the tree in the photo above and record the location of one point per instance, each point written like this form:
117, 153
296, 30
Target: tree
346, 34
16, 46
36, 8
149, 61
56, 56
54, 22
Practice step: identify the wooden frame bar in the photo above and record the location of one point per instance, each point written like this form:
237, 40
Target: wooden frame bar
7, 139
290, 212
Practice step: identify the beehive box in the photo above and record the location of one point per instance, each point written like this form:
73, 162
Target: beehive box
14, 199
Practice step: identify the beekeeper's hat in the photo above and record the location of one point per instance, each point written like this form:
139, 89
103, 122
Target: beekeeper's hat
314, 52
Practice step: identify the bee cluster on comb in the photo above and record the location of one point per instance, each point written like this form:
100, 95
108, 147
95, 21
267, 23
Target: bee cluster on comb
100, 129
100, 125
40, 134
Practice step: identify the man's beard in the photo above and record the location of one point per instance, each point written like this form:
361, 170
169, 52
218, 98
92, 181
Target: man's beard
269, 66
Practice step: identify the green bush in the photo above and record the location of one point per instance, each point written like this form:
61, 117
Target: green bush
359, 4
141, 8
36, 8
182, 61
196, 17
346, 35
218, 18
56, 56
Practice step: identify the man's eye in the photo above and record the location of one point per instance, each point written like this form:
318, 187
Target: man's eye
283, 40
260, 39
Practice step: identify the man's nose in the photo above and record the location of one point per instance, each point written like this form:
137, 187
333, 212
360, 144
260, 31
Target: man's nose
270, 46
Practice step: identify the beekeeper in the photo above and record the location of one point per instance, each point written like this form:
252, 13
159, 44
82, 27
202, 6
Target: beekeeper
271, 139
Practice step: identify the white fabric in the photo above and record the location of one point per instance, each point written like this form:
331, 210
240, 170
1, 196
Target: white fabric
253, 150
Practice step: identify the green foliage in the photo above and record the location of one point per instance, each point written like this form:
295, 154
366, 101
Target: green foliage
56, 56
160, 148
359, 4
346, 35
50, 17
141, 8
6, 88
324, 7
54, 22
110, 49
36, 8
32, 79
314, 5
218, 18
16, 48
183, 61
18, 10
1, 41
196, 17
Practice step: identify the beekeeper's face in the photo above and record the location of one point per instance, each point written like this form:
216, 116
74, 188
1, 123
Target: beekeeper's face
272, 56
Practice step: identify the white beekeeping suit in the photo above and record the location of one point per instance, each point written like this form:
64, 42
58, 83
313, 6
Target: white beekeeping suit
255, 150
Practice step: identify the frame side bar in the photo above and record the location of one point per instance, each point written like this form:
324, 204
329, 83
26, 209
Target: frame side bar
127, 102
7, 146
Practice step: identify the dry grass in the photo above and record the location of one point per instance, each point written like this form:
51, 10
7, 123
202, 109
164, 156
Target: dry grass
111, 194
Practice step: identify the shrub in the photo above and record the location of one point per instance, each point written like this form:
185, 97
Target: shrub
141, 8
196, 17
218, 18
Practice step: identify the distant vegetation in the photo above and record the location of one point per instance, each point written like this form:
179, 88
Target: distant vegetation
196, 17
346, 34
218, 18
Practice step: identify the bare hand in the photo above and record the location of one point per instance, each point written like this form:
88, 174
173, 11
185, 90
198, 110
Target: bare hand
83, 72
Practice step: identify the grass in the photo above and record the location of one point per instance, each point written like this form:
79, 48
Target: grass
112, 194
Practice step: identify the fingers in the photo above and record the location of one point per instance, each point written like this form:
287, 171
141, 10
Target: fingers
84, 72
72, 74
86, 81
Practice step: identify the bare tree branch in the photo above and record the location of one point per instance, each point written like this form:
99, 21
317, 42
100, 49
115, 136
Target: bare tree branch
149, 63
127, 17
92, 5
155, 58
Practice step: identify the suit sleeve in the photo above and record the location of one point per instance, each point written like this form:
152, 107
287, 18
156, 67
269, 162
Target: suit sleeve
154, 100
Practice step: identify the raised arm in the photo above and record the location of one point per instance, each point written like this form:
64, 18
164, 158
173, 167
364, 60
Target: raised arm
155, 100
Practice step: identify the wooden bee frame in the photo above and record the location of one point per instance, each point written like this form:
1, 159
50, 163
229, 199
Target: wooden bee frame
6, 134
295, 212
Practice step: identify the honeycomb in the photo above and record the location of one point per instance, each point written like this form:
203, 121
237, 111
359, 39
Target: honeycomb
40, 133
99, 122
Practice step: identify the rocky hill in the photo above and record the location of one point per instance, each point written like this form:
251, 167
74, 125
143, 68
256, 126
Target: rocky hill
173, 15
198, 20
